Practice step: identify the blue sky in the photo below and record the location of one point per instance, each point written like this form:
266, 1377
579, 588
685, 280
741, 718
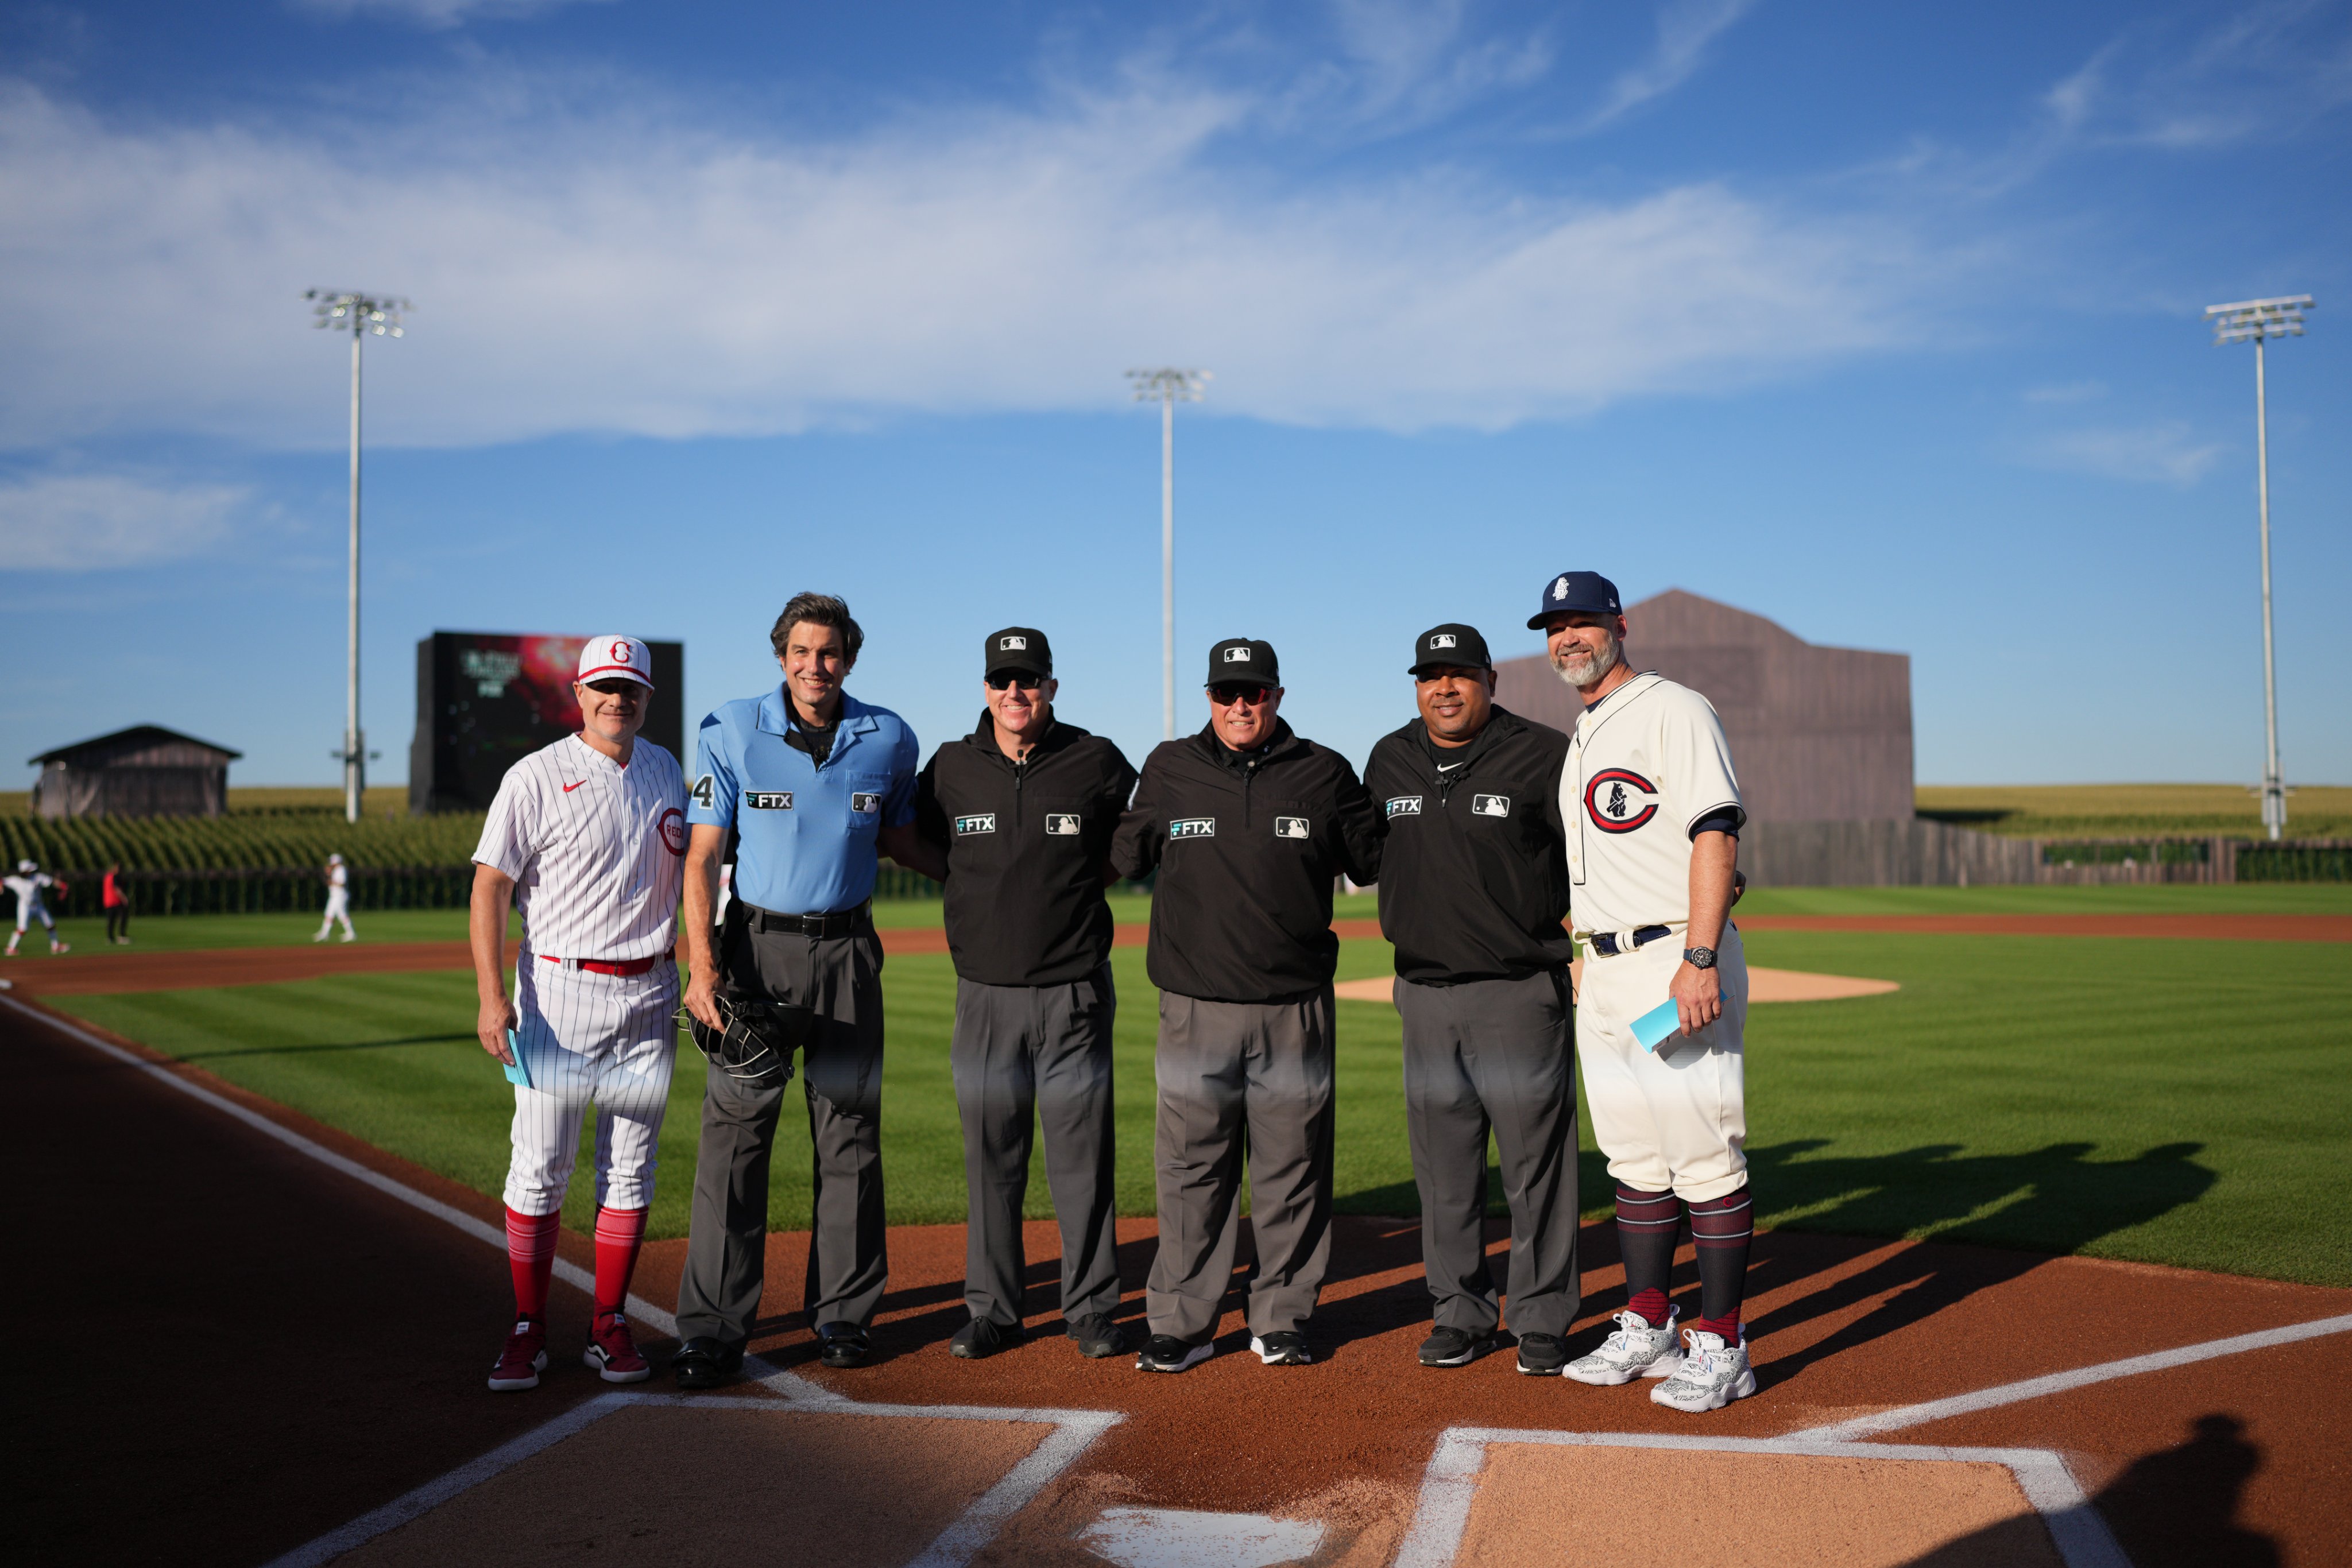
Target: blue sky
1881, 321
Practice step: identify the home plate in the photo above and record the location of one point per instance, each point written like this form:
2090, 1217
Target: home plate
1763, 985
1180, 1538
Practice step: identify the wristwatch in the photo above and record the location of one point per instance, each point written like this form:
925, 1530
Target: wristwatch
1699, 957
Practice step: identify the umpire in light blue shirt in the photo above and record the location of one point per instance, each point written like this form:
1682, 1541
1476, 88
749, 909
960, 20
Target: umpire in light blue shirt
813, 783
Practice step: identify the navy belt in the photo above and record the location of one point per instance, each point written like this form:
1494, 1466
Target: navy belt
1605, 941
839, 923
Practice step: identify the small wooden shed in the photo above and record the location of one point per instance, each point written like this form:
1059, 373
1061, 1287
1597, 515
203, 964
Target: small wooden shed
143, 771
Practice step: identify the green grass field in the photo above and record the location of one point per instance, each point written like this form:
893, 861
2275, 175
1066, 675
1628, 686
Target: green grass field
2160, 1101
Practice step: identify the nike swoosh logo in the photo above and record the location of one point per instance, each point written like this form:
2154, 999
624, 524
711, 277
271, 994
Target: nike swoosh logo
569, 788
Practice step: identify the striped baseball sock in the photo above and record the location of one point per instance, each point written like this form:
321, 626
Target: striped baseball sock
1721, 1229
1647, 1226
619, 1232
530, 1255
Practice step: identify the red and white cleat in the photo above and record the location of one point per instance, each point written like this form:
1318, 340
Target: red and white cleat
613, 1351
524, 1358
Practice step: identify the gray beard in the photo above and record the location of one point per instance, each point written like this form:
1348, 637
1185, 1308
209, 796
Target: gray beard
1582, 669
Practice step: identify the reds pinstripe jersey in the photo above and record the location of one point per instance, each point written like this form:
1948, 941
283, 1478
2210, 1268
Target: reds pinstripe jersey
1644, 765
597, 850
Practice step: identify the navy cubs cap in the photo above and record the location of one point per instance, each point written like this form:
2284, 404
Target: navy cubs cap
1587, 592
1239, 661
1452, 643
1022, 648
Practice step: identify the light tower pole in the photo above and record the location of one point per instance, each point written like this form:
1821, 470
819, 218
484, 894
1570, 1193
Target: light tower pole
2254, 322
1168, 387
361, 314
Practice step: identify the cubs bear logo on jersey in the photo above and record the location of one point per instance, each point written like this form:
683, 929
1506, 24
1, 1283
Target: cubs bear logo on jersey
1619, 799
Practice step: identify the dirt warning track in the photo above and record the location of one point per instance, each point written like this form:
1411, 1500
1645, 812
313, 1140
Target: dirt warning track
278, 1349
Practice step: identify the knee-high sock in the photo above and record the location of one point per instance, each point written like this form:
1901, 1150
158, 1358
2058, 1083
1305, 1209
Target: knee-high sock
531, 1254
1648, 1224
1720, 1230
618, 1233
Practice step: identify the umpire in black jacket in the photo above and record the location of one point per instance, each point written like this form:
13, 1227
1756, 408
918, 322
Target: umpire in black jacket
1248, 826
1021, 812
1474, 882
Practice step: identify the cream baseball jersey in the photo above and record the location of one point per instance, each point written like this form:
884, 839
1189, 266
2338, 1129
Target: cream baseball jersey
597, 850
1645, 764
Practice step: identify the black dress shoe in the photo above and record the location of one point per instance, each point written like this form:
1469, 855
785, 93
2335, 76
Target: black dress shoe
843, 1344
1098, 1336
980, 1338
705, 1362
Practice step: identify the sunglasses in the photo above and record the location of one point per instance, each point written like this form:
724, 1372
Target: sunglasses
1226, 696
616, 686
1006, 679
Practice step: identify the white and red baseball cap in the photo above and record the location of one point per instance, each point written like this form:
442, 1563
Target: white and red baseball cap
627, 657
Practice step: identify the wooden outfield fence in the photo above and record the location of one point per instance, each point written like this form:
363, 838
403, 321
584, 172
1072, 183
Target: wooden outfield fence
1923, 852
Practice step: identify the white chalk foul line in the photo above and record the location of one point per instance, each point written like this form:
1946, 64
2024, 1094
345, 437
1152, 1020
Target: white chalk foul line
1074, 1430
1450, 1484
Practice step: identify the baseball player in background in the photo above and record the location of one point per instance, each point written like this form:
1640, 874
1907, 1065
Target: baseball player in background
1653, 815
587, 838
26, 884
339, 899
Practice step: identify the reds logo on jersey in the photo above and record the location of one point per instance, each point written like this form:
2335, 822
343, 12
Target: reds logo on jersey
671, 826
1619, 799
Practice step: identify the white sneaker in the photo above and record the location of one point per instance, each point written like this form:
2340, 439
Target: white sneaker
1713, 1374
321, 936
350, 936
60, 947
1635, 1350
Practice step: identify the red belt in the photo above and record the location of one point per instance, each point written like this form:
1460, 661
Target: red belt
599, 967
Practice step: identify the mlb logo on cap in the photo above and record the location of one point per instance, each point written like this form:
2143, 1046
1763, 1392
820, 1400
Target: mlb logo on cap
1440, 640
1240, 656
627, 657
1240, 661
1453, 643
1007, 644
1017, 650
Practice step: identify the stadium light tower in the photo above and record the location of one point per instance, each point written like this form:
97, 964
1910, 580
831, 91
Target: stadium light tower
2255, 321
363, 316
1168, 388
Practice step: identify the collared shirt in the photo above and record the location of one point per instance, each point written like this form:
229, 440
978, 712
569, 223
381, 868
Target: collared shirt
597, 850
1647, 766
804, 830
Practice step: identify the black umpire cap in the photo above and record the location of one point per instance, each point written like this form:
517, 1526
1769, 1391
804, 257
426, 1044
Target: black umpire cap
1452, 643
1577, 592
1019, 648
1240, 661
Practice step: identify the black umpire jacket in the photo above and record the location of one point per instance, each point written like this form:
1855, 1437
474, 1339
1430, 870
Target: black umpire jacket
1025, 845
1247, 849
1473, 878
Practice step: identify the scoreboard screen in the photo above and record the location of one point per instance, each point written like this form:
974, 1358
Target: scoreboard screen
487, 699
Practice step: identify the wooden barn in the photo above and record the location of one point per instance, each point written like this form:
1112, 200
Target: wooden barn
1818, 735
143, 771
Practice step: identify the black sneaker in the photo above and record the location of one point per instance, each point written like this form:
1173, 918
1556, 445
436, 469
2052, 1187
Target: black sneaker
1283, 1347
1454, 1347
843, 1344
1166, 1352
1542, 1354
1098, 1336
980, 1337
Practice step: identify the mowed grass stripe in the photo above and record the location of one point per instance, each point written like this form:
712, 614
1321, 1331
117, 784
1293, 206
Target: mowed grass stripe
2158, 1101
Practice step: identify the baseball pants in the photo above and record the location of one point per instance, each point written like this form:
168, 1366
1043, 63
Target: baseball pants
26, 912
1025, 1055
339, 907
1242, 1080
1673, 1120
840, 977
608, 1039
1494, 1056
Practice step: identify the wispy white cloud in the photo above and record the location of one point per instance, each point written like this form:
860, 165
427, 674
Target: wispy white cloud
1686, 28
2267, 70
611, 269
438, 13
2166, 453
93, 522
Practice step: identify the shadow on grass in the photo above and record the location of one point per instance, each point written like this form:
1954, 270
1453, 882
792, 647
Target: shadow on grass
307, 1049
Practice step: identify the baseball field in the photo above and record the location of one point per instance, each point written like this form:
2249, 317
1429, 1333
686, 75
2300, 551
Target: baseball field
1963, 1179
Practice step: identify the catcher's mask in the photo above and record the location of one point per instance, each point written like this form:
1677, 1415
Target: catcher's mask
757, 1045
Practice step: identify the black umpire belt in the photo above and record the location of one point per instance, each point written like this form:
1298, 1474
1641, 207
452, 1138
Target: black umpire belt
1605, 943
839, 923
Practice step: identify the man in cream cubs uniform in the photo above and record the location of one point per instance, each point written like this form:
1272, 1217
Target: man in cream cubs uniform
588, 838
1653, 816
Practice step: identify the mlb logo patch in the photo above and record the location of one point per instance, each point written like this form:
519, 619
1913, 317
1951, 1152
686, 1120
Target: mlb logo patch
864, 803
1442, 639
1490, 805
1062, 824
1290, 827
1010, 644
768, 799
979, 822
1404, 805
1237, 655
1193, 828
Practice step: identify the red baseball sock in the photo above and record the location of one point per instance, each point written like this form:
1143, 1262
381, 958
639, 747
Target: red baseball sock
1726, 1325
619, 1231
531, 1254
1652, 1304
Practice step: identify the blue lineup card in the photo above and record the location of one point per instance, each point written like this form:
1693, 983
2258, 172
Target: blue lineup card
1652, 1027
518, 1071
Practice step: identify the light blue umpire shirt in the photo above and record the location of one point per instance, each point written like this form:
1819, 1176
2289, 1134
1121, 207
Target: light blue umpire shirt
804, 834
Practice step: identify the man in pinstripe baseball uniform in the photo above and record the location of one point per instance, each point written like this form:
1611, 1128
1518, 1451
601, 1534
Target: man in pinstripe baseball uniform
587, 838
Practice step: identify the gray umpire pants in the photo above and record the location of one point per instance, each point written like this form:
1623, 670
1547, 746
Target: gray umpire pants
840, 977
1493, 1055
1242, 1080
1037, 1054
